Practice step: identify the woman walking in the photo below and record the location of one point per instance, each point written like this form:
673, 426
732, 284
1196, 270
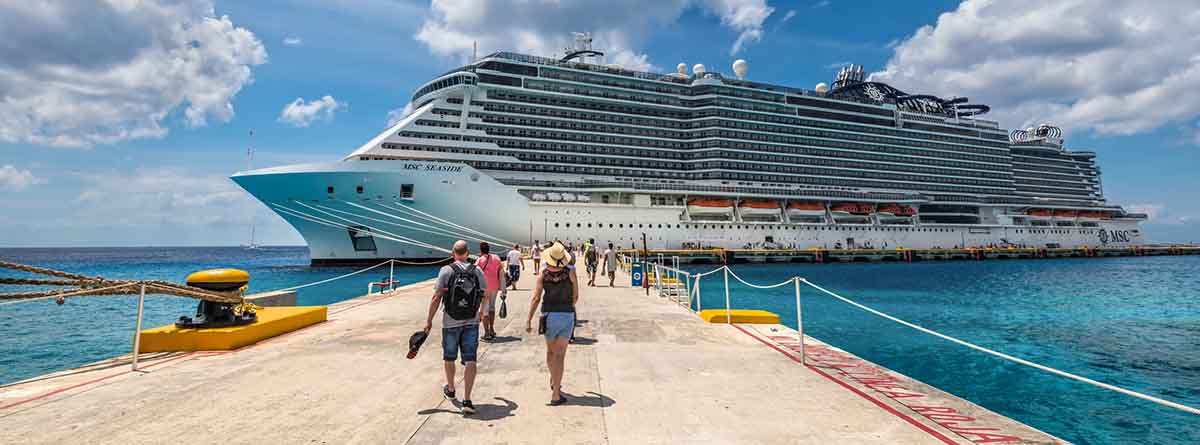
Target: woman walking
556, 292
535, 252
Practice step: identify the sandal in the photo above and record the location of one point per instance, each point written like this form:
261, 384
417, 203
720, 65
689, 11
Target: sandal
561, 400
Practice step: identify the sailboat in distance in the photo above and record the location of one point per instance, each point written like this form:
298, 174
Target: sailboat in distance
249, 163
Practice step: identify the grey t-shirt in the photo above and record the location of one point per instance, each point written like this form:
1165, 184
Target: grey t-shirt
443, 285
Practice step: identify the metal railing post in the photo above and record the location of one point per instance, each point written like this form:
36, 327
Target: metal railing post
137, 332
799, 319
699, 305
728, 316
391, 275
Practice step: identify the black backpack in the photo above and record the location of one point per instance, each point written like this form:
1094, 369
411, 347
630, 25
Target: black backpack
462, 299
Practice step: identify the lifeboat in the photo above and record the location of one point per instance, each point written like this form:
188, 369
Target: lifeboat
851, 212
1038, 213
1065, 213
894, 213
799, 208
1091, 215
758, 208
897, 210
709, 207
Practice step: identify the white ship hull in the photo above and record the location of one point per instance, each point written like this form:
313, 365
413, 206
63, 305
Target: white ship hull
451, 201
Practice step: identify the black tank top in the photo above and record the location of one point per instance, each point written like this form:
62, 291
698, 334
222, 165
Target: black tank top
556, 291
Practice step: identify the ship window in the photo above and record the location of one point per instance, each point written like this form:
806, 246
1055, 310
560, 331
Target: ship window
361, 239
406, 191
329, 189
358, 189
555, 225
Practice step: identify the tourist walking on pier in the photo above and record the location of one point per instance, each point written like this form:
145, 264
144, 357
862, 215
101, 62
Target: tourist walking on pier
535, 252
591, 258
555, 293
610, 264
459, 292
493, 277
515, 264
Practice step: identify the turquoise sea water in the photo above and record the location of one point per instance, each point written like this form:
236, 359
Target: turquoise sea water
1130, 322
39, 337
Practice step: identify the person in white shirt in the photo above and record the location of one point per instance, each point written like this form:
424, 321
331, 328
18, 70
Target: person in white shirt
610, 264
515, 264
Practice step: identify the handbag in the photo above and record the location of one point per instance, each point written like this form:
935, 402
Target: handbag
503, 306
542, 325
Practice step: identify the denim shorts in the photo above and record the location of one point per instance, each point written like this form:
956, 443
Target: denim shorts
559, 324
465, 338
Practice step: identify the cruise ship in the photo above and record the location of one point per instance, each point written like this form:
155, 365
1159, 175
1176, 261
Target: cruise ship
515, 148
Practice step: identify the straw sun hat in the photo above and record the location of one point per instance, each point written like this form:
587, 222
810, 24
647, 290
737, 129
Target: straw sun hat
555, 256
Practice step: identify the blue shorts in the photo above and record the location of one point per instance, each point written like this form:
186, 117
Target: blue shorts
464, 338
559, 324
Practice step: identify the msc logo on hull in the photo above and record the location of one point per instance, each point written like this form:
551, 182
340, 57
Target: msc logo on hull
1115, 236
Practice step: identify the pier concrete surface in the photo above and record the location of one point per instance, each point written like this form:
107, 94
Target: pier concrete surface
642, 371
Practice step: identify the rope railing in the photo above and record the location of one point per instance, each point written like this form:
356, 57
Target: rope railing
1007, 357
694, 292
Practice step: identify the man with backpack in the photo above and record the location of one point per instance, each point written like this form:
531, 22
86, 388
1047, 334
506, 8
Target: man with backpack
460, 294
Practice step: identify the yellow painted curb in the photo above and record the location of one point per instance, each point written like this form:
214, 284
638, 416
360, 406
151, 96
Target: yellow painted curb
748, 316
272, 321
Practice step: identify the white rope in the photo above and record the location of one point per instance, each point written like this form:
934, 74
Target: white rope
449, 223
332, 279
1010, 358
374, 231
431, 228
324, 222
789, 281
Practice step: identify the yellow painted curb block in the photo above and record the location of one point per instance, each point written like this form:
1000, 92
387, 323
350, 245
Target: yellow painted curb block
272, 321
747, 316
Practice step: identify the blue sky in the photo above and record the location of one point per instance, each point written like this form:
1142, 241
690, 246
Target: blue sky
130, 142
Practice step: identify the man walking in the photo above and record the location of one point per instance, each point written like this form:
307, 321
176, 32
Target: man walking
515, 264
610, 264
459, 293
591, 259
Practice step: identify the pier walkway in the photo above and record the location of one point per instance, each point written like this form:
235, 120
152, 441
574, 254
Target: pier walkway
643, 371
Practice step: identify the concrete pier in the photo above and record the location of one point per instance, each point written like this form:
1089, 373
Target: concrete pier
643, 371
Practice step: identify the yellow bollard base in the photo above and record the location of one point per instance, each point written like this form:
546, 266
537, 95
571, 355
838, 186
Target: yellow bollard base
747, 316
272, 321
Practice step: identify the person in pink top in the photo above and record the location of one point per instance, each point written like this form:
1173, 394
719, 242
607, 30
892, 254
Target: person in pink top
493, 279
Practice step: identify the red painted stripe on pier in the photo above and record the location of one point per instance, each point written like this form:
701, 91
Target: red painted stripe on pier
877, 402
89, 382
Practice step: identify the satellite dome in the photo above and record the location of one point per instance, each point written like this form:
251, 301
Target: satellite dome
740, 67
822, 88
681, 69
698, 68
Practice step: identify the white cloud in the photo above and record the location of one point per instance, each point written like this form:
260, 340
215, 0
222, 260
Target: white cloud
1154, 212
1109, 66
544, 27
302, 114
15, 179
821, 4
293, 41
790, 14
395, 116
83, 73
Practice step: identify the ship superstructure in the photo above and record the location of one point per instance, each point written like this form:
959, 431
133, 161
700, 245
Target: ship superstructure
514, 148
